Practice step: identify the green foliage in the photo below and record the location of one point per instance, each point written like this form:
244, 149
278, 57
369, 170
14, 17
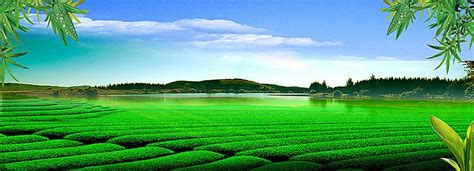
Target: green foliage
463, 151
38, 145
21, 139
291, 165
85, 160
233, 163
389, 160
179, 160
57, 152
59, 15
324, 157
452, 20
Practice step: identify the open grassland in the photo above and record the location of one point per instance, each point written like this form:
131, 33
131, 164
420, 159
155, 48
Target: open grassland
225, 133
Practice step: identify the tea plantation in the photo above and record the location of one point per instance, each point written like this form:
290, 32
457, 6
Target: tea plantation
224, 134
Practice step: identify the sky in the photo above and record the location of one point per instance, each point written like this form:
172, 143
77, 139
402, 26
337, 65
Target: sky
286, 42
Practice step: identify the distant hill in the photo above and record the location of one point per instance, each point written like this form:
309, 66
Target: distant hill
209, 86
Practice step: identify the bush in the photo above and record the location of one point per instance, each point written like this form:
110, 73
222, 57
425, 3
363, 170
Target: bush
85, 160
433, 165
284, 152
291, 165
179, 160
57, 152
38, 145
21, 139
232, 163
385, 161
229, 148
345, 154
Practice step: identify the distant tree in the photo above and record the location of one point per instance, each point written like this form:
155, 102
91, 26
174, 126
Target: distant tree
372, 77
317, 87
452, 19
349, 82
337, 94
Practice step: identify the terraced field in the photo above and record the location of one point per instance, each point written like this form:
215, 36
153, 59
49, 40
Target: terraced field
224, 133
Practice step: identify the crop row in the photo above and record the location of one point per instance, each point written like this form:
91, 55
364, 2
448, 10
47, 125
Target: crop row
143, 139
85, 160
390, 160
285, 152
233, 147
21, 139
174, 161
19, 104
38, 145
69, 111
267, 140
345, 154
7, 110
290, 165
433, 165
232, 163
19, 156
56, 118
134, 129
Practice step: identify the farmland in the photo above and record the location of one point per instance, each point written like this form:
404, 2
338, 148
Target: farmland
222, 132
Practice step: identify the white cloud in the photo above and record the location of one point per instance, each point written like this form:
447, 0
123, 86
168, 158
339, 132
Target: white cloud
284, 60
152, 27
232, 40
386, 58
216, 25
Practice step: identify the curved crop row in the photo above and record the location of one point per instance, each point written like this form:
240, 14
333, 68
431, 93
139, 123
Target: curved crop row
21, 139
433, 165
38, 145
19, 104
189, 144
234, 147
56, 118
232, 163
285, 152
88, 159
57, 152
345, 154
6, 110
385, 161
291, 165
174, 161
59, 112
143, 139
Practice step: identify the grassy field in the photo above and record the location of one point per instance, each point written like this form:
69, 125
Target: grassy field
244, 132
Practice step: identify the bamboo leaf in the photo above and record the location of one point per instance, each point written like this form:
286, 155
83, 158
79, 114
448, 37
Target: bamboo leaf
452, 163
450, 138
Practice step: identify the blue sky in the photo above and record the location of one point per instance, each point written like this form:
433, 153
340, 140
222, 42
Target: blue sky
283, 42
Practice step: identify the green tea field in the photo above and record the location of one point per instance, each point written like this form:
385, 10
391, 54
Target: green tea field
221, 132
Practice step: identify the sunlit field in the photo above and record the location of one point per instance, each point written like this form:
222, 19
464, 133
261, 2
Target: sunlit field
225, 132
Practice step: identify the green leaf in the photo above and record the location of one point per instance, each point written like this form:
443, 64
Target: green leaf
15, 55
452, 163
437, 47
469, 147
450, 138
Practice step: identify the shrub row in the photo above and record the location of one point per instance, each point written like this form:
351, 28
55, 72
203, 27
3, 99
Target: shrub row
390, 160
179, 160
77, 110
433, 165
19, 156
39, 145
256, 144
232, 163
7, 110
85, 160
345, 154
143, 139
291, 165
284, 152
21, 139
19, 104
56, 118
188, 144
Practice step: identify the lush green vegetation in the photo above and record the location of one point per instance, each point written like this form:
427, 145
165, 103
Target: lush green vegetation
230, 133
